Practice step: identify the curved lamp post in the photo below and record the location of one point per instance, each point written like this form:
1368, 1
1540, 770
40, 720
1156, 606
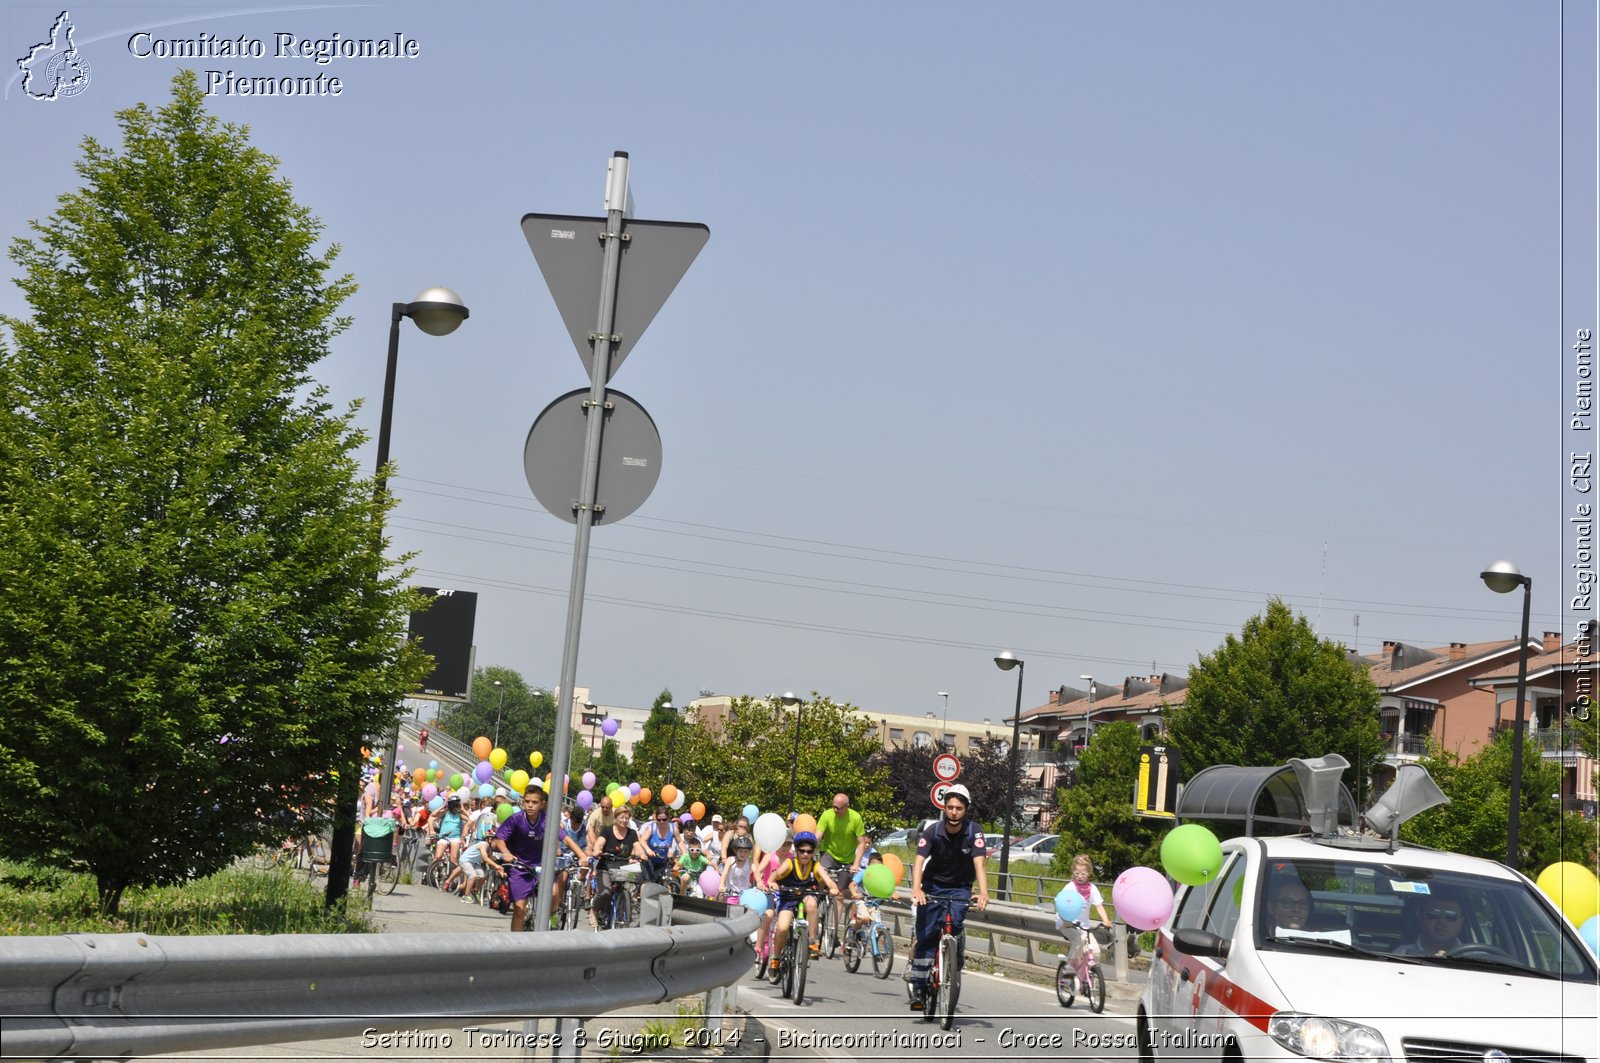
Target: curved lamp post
436, 311
1007, 661
1502, 577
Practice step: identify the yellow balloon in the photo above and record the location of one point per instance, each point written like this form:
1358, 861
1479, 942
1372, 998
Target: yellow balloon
1574, 888
535, 758
519, 780
497, 759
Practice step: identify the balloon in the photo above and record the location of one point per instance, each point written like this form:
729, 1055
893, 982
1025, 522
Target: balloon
456, 779
535, 759
1590, 932
1238, 893
677, 802
609, 728
805, 822
481, 747
878, 881
710, 882
754, 900
669, 794
419, 776
399, 749
503, 811
483, 772
434, 764
685, 819
697, 810
896, 867
634, 788
1191, 854
497, 759
429, 791
1574, 889
1070, 904
430, 774
769, 831
485, 790
435, 804
644, 795
519, 780
1142, 897
585, 800
750, 812
388, 813
588, 780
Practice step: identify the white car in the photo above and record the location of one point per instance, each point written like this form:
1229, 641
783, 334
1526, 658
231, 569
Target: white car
1036, 848
1348, 947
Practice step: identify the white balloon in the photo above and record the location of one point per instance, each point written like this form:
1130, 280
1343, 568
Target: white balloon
677, 802
769, 831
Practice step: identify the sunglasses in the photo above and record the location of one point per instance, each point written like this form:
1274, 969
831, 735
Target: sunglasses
805, 849
1442, 913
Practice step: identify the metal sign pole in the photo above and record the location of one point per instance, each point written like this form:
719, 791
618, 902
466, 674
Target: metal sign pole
616, 202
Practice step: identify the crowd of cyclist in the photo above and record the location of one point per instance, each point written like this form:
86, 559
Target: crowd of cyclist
714, 859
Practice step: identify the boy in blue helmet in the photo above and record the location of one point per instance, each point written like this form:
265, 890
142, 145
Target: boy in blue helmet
800, 871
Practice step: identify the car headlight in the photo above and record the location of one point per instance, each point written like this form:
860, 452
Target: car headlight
1323, 1038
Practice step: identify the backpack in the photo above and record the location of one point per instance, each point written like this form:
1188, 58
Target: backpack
501, 901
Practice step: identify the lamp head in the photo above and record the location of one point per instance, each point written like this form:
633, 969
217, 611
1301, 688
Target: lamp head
437, 311
1007, 661
1503, 577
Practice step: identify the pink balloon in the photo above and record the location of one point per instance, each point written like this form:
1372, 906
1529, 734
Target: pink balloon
429, 791
588, 780
709, 881
1142, 897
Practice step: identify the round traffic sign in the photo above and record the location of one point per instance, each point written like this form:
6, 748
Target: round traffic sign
946, 768
630, 457
937, 793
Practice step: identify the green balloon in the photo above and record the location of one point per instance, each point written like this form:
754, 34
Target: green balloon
1191, 854
503, 811
455, 781
878, 881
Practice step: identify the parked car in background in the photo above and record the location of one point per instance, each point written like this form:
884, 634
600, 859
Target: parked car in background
905, 837
1036, 848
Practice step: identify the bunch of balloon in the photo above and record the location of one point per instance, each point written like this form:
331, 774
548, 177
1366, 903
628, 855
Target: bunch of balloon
1576, 891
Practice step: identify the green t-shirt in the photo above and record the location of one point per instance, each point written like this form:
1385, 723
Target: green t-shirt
839, 839
694, 863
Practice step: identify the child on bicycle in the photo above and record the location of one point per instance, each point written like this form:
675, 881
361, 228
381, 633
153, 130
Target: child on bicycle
801, 871
690, 865
1082, 870
861, 910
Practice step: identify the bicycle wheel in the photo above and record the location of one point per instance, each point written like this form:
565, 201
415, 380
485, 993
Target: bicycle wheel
802, 954
949, 980
882, 943
1066, 984
622, 909
438, 871
1097, 990
854, 942
387, 874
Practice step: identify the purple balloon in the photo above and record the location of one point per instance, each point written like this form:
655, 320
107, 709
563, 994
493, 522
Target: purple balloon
584, 799
484, 771
609, 728
429, 791
634, 788
686, 819
709, 882
588, 780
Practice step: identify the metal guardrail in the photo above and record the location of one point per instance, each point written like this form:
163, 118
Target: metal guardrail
105, 996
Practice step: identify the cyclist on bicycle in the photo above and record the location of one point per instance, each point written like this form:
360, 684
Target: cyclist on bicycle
738, 871
615, 845
520, 843
796, 873
949, 858
861, 909
842, 841
661, 836
691, 865
1082, 870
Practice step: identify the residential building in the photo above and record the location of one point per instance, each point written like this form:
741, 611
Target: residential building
588, 718
927, 731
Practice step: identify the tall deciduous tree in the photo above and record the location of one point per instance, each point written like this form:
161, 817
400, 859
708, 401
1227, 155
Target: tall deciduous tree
526, 717
1273, 692
985, 771
657, 748
199, 623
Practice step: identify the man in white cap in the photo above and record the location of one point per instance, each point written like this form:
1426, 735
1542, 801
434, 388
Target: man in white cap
710, 835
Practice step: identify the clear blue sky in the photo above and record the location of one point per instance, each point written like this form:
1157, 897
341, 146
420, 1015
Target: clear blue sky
1075, 329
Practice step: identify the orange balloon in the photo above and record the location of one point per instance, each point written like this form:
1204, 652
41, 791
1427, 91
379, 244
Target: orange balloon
419, 776
895, 864
481, 747
669, 794
698, 810
644, 795
805, 822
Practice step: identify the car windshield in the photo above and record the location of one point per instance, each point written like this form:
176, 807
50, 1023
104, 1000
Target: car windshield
1033, 839
1416, 913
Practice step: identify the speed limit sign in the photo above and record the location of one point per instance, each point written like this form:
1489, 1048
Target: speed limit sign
937, 793
946, 768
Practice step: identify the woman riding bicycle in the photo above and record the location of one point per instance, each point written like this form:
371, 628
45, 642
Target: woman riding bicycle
949, 858
615, 845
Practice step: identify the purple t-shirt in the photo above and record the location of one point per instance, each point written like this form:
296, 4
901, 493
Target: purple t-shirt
524, 839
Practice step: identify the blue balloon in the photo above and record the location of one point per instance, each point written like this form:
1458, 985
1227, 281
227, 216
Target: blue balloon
485, 790
1590, 932
433, 764
1070, 905
752, 813
754, 900
436, 804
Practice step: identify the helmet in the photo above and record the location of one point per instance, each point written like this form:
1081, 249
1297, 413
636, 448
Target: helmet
958, 791
740, 843
805, 837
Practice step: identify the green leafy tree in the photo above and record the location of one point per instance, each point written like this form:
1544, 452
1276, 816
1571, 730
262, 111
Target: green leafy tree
658, 745
1273, 692
985, 771
524, 717
1474, 822
199, 624
1097, 816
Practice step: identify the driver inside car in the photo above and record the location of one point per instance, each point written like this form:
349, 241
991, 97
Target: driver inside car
1439, 922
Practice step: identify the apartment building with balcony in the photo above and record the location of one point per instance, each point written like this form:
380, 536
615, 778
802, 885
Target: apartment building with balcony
1560, 691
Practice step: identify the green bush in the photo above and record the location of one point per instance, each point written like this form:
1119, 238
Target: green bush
37, 899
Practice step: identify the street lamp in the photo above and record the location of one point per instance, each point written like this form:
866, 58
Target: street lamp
945, 694
593, 720
1007, 661
789, 698
436, 311
672, 740
1502, 577
498, 709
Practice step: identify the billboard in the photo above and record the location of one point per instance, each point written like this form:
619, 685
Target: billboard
444, 630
